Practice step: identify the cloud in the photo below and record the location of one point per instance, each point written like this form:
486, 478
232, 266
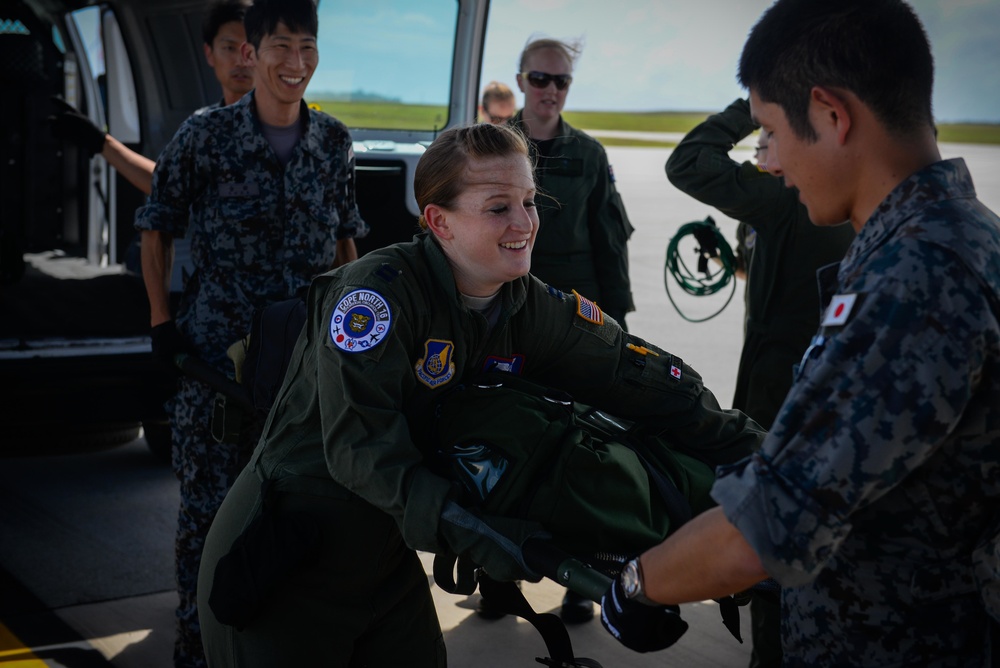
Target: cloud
662, 54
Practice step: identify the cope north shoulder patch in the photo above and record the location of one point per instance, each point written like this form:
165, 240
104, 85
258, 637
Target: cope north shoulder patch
360, 321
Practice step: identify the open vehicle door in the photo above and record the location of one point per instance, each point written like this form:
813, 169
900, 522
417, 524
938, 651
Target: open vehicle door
74, 320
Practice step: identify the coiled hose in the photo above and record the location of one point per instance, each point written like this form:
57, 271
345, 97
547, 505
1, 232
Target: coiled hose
715, 276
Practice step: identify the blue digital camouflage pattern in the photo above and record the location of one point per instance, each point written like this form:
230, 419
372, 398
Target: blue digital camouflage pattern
258, 234
874, 499
206, 470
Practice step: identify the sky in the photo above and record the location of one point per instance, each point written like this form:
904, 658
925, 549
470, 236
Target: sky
681, 55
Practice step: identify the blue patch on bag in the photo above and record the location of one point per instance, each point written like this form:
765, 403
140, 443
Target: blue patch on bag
512, 364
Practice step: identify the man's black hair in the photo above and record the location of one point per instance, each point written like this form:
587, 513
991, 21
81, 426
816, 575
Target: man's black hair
876, 49
264, 16
220, 13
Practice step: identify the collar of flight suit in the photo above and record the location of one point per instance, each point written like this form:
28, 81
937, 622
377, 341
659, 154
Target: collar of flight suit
513, 293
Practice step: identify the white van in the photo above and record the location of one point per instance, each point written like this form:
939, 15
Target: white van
74, 320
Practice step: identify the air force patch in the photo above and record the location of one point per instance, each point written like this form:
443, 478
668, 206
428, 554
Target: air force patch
436, 367
360, 321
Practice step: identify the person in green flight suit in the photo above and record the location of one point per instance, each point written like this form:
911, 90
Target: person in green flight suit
582, 242
782, 299
342, 462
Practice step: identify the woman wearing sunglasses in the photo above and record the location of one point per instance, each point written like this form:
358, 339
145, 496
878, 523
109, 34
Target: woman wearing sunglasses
581, 244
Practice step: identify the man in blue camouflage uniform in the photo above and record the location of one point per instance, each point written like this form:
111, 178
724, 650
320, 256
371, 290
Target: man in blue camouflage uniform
782, 304
874, 500
264, 189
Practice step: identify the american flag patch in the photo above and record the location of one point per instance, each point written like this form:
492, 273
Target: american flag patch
588, 310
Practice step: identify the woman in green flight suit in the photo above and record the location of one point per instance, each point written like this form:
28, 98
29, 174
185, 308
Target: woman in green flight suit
583, 241
386, 335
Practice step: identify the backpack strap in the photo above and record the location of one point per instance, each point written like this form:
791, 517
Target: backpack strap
273, 333
506, 597
678, 507
447, 565
677, 504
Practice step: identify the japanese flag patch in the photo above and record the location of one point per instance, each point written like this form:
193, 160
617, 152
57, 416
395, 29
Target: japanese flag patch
839, 310
360, 321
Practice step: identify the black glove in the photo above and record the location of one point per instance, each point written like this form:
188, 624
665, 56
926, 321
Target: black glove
640, 627
705, 235
70, 125
167, 343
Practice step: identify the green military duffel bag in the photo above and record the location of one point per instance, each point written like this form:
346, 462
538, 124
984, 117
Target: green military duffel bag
523, 451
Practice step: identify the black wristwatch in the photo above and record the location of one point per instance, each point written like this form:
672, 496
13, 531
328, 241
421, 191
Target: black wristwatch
631, 580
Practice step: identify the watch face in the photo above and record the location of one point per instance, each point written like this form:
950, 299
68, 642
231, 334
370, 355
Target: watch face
630, 579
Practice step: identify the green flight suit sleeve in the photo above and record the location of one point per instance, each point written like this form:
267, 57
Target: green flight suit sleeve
365, 434
610, 230
701, 167
604, 366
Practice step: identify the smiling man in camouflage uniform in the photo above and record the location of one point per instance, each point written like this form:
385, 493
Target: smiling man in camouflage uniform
264, 189
875, 498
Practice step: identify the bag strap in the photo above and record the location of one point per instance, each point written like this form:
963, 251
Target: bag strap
446, 565
508, 598
678, 507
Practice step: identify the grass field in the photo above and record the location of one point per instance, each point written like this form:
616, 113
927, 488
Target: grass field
395, 116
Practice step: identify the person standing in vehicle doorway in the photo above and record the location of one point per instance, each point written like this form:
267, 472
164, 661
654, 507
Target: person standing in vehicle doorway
582, 243
223, 34
498, 104
264, 190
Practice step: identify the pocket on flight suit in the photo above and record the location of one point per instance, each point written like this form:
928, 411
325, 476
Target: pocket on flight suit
275, 545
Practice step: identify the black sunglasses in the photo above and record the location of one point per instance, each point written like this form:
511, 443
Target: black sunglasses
541, 79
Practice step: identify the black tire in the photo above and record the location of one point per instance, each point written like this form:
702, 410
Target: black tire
103, 436
158, 440
64, 439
